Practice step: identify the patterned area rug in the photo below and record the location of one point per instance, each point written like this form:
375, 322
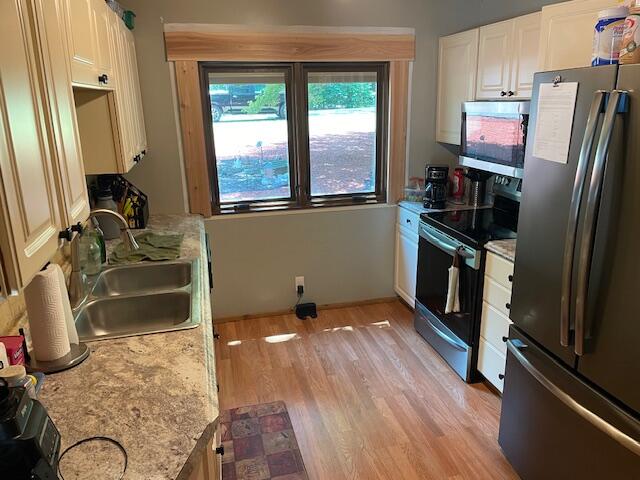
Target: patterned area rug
259, 444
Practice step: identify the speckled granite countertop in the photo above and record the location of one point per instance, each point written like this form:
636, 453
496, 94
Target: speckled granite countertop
156, 394
505, 248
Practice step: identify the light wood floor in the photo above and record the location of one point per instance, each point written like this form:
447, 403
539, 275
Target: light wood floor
368, 397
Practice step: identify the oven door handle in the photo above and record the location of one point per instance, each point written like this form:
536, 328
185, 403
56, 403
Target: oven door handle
451, 341
443, 244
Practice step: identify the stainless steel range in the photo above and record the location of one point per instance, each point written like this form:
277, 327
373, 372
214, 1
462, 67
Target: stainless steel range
459, 234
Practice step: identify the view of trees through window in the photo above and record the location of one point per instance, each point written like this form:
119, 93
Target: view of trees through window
251, 133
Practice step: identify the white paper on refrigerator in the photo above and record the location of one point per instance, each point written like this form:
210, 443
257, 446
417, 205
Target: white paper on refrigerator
556, 106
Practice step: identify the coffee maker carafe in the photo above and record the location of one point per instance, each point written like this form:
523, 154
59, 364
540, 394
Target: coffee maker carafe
436, 183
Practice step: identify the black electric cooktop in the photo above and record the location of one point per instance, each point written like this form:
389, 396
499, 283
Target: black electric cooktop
475, 227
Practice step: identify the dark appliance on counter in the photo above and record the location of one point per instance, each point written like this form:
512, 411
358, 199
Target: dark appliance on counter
494, 136
477, 186
443, 235
571, 400
29, 441
436, 181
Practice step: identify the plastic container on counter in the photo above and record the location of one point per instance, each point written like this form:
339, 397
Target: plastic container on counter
629, 51
607, 36
16, 377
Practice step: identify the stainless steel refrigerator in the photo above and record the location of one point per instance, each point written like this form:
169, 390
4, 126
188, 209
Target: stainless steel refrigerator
571, 401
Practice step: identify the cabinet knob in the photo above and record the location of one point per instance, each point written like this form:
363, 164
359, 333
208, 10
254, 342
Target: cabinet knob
508, 305
504, 339
510, 93
510, 277
408, 220
503, 93
220, 450
104, 79
501, 376
216, 336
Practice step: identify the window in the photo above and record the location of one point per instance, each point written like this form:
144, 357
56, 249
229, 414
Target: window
295, 135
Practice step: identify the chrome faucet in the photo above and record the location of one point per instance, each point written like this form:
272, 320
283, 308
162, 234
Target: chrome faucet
77, 279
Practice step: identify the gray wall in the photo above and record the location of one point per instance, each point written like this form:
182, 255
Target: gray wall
345, 255
257, 257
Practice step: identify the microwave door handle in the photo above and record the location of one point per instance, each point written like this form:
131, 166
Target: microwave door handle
591, 216
597, 105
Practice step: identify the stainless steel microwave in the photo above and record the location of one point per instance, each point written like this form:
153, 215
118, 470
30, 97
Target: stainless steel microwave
494, 136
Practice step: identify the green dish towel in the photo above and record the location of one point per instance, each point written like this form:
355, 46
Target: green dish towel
153, 246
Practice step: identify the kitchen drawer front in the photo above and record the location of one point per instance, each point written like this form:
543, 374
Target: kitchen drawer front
497, 296
494, 326
491, 364
408, 219
499, 269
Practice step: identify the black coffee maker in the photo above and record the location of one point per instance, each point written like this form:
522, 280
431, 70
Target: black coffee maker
436, 180
29, 441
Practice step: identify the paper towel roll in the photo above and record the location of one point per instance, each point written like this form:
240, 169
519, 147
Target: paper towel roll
68, 314
45, 308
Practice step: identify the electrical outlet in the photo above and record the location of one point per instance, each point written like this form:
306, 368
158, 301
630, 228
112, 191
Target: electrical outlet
299, 283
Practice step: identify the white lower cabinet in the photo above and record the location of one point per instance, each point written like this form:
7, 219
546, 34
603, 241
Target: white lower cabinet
495, 321
406, 261
491, 364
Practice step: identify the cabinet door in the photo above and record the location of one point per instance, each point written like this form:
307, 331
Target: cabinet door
566, 34
457, 65
122, 92
104, 58
526, 44
141, 142
65, 141
406, 264
82, 41
494, 60
30, 220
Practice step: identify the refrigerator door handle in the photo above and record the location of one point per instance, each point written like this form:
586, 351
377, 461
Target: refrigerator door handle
605, 427
597, 105
591, 216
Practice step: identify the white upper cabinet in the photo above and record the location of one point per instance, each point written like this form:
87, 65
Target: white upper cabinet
566, 34
494, 60
29, 220
507, 58
102, 16
526, 48
64, 137
457, 67
82, 42
87, 25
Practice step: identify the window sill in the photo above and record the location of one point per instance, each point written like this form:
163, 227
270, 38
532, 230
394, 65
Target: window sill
278, 211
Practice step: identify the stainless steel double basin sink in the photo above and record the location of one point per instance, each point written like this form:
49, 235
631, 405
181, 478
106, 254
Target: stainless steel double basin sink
139, 299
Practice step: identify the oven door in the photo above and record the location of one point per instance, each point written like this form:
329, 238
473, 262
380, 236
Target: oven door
435, 256
494, 136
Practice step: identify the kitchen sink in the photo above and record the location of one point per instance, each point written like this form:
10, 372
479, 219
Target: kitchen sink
142, 278
139, 299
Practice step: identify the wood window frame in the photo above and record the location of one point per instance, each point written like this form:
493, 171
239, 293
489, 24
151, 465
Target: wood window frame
296, 76
188, 44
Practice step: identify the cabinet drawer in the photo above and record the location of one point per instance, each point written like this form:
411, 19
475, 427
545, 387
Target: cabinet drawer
408, 219
497, 296
494, 326
499, 269
491, 364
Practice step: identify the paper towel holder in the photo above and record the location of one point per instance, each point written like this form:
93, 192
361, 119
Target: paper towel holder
78, 354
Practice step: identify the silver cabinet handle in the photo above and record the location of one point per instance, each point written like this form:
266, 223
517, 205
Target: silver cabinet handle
605, 427
451, 341
574, 212
591, 216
